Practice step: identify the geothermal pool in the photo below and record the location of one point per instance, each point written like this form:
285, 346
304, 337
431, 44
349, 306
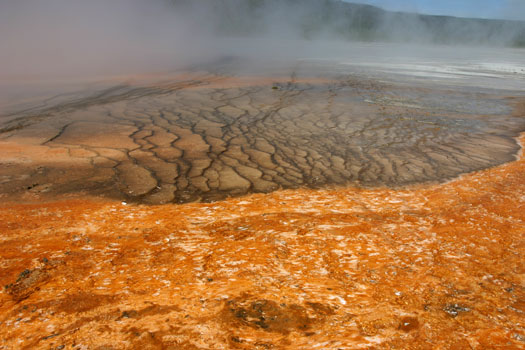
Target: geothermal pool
206, 136
352, 203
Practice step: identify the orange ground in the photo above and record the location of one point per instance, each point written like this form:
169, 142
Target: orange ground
432, 267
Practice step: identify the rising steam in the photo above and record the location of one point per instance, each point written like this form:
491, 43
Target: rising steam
56, 38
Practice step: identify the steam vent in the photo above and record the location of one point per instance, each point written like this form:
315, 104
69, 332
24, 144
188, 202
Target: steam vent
289, 193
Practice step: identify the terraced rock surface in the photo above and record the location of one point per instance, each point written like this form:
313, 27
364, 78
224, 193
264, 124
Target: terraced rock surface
211, 137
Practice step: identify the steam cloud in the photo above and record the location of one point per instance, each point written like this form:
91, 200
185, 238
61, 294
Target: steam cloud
56, 38
77, 37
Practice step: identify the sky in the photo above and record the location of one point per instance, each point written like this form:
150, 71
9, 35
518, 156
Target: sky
508, 9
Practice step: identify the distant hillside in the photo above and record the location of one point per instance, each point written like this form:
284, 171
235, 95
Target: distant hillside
331, 18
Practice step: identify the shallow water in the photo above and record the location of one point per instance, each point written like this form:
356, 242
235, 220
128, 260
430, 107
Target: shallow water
211, 136
438, 266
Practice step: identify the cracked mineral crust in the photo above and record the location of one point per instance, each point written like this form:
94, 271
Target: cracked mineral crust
215, 212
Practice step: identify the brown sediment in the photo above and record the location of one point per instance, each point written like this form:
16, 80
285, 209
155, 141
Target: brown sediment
209, 137
431, 267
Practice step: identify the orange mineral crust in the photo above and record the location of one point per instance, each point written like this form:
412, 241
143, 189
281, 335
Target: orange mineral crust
428, 267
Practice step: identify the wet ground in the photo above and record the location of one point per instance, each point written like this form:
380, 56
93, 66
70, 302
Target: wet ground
207, 137
433, 267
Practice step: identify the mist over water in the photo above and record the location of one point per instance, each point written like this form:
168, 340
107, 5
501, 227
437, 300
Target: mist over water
61, 38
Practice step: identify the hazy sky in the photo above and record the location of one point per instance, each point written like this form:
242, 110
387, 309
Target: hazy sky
511, 9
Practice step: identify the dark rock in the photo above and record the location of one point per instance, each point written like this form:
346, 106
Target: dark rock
455, 309
129, 314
